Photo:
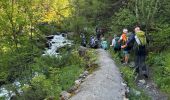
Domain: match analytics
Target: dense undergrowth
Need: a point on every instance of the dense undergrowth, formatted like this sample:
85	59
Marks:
160	70
52	75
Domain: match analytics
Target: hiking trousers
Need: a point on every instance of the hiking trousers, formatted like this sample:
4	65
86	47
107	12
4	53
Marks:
140	61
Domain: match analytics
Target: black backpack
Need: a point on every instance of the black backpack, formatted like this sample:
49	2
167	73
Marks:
131	44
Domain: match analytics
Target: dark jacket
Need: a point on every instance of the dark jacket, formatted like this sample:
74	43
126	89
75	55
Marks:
139	50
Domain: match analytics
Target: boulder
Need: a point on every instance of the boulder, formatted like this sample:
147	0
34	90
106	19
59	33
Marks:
64	95
141	82
81	76
72	89
77	83
86	73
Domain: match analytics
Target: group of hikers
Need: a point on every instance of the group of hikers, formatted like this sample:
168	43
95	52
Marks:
96	41
129	42
124	44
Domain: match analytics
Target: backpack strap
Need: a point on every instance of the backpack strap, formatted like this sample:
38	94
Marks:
137	40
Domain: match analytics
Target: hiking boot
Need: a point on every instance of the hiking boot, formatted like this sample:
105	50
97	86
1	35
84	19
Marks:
145	74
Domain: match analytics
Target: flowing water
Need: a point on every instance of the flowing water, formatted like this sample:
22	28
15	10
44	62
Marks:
54	43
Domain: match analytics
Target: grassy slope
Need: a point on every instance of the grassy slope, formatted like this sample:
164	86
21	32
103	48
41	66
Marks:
160	67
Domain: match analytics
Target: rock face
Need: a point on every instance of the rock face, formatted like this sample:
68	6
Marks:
103	84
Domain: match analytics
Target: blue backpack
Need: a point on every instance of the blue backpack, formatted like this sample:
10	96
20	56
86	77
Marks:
104	45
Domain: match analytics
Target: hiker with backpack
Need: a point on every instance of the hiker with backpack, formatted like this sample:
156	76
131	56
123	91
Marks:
93	42
123	39
104	44
115	44
140	51
83	40
98	33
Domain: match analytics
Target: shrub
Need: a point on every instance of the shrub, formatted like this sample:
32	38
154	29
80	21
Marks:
124	18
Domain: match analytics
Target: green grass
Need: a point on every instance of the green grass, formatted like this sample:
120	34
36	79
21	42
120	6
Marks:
68	75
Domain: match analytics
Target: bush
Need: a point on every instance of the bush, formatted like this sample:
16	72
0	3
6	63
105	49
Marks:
161	40
124	18
160	65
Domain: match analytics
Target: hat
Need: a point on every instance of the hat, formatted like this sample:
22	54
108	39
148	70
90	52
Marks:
125	30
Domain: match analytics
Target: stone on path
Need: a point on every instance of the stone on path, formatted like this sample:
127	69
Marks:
65	95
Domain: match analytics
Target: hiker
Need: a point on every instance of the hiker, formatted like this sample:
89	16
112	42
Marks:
98	32
140	51
93	42
83	40
115	44
102	30
123	39
130	45
104	43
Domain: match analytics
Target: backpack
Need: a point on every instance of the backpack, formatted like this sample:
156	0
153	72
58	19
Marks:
142	38
104	44
83	42
124	38
93	42
117	45
130	38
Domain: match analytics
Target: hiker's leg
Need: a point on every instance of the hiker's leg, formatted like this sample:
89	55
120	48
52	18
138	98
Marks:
122	56
119	53
115	50
141	65
137	62
126	56
143	62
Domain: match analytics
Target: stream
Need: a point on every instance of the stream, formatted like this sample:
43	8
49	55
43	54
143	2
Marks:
54	43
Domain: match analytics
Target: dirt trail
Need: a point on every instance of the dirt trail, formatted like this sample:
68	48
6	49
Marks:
103	84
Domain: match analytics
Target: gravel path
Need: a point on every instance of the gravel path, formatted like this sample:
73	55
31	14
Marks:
103	84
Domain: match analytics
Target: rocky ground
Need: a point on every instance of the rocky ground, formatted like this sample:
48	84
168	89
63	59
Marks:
151	89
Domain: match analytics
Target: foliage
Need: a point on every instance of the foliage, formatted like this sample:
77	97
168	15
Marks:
68	75
160	69
124	18
161	39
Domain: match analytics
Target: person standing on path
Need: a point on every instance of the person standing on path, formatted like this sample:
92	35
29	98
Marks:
115	44
140	51
123	39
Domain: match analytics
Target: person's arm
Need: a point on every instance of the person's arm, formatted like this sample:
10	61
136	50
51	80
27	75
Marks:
132	38
113	41
120	39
